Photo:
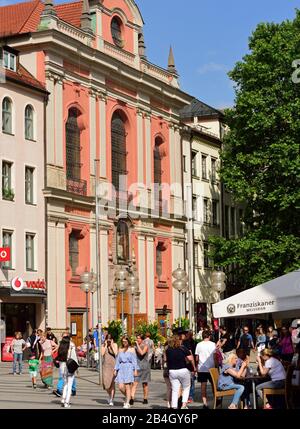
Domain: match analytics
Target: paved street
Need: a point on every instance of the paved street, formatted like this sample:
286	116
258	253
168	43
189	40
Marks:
16	392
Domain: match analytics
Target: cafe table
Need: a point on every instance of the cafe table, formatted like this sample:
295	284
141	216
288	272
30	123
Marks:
255	380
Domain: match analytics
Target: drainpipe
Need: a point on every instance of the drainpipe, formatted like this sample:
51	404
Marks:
45	212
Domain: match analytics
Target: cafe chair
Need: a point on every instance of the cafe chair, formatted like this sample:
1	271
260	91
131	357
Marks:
286	391
218	394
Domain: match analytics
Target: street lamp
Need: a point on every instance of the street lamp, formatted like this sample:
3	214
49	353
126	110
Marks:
180	284
134	290
120	286
88	285
218	278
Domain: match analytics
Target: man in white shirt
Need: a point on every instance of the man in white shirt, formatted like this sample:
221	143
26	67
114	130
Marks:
205	359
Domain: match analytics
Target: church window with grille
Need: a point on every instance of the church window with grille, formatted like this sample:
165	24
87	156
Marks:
118	155
73	147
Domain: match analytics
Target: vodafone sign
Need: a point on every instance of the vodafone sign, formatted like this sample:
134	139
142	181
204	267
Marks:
4	254
17	284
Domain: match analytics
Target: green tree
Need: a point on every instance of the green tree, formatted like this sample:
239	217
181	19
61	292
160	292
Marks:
260	158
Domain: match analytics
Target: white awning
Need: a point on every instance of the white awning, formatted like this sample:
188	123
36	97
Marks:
280	296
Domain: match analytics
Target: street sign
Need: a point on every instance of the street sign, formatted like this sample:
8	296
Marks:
4	254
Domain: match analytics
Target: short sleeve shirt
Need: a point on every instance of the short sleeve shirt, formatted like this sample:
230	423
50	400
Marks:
227	346
276	369
176	358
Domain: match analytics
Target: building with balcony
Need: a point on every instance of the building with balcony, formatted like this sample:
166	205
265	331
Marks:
106	102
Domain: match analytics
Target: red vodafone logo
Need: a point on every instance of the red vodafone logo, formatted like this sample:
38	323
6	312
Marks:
17	283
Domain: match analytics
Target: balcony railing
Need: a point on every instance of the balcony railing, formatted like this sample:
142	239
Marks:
77	186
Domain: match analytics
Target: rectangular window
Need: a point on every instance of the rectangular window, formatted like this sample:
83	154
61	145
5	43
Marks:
196	254
159	259
184	163
7	237
232	221
213	170
29	176
227	221
194	164
215	213
194	201
73	252
7	192
204	167
9	61
205	211
205	253
30	265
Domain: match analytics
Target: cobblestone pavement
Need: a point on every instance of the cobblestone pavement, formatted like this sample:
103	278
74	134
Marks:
16	392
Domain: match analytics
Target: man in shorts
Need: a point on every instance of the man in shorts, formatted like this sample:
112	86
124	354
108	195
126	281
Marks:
205	359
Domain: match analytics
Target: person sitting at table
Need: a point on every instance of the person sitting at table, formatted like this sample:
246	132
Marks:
242	357
272	367
226	379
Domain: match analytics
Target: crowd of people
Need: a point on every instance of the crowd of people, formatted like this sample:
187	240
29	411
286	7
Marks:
182	359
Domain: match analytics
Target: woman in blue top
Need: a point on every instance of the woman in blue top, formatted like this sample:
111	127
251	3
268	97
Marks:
260	340
126	369
227	376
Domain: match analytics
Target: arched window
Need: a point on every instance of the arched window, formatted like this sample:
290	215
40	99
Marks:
116	32
73	148
122	242
118	152
7	115
157	160
29	122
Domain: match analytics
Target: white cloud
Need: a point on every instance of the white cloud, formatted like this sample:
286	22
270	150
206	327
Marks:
212	67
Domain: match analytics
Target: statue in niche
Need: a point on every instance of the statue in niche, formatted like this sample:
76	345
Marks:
122	242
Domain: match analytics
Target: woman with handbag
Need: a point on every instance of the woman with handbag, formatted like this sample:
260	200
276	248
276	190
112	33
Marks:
109	352
178	358
68	365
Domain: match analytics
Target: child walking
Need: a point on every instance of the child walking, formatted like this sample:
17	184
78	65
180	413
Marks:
33	369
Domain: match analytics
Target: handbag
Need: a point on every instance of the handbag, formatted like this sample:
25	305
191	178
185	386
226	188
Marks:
72	365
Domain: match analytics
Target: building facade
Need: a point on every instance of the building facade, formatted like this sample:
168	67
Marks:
108	103
22	208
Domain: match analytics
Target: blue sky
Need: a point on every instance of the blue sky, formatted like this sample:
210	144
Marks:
207	36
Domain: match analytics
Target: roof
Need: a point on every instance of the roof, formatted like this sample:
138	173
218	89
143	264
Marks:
25	17
24	77
198	109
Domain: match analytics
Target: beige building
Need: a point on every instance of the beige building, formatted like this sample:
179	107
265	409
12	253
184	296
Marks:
22	209
209	208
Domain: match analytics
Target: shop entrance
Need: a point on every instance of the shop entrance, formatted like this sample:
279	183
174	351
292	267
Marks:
18	317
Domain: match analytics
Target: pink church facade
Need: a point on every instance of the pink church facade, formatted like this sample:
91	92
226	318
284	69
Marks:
106	103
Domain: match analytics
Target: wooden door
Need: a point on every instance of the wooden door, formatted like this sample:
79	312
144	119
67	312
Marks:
76	328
